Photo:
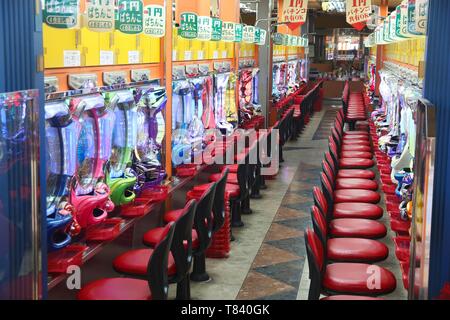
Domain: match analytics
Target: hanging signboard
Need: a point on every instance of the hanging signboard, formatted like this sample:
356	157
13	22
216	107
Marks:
216	29
263	37
155	21
292	41
204	28
386	30
238	32
100	15
412	17
278	39
294	12
421	16
393	26
358	13
188	25
61	14
130	16
249	35
228	31
404	19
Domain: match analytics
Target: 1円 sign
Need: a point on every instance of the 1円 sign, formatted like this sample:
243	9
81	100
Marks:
155	21
294	12
100	15
358	13
188	25
130	16
61	14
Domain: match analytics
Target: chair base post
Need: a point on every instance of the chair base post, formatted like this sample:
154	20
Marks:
236	221
184	289
199	273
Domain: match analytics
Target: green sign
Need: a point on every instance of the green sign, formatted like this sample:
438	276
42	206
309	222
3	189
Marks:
155	21
238	32
216	29
263	37
204	28
257	35
188	26
130	16
412	17
61	14
100	15
278	39
228	32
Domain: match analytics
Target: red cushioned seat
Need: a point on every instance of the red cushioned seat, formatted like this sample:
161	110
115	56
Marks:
202	188
356	250
351	196
357	211
350	298
353	278
357	118
173	215
354	147
355	174
116	289
356	133
357	115
232	191
358	142
357	228
135	262
233	168
232	178
356	137
356	154
364	184
347	163
154	236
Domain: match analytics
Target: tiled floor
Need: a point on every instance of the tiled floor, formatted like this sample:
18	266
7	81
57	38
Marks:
268	258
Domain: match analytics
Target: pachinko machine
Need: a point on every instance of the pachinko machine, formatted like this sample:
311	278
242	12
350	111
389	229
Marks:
249	106
194	116
104	153
396	128
279	83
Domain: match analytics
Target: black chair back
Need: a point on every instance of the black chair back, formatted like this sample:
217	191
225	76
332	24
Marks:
182	241
158	264
203	222
316	262
219	202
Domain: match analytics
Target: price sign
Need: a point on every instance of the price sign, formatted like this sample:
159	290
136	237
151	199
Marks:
228	31
263	37
100	15
188	26
130	16
216	29
61	14
249	34
155	21
238	32
204	28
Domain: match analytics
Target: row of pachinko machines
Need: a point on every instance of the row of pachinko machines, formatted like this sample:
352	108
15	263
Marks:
105	146
104	150
205	105
395	122
288	76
